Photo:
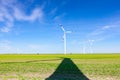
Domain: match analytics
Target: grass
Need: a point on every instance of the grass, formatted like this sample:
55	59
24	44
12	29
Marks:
39	67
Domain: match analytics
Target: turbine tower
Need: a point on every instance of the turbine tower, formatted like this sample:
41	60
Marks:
64	37
84	49
91	44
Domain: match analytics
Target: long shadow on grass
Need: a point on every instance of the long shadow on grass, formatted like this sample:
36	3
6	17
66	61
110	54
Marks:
67	70
31	61
43	60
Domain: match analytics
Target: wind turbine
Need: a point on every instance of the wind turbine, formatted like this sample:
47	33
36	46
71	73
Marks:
84	49
64	37
91	44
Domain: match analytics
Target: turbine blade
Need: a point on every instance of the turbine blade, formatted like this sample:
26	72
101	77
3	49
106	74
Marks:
63	28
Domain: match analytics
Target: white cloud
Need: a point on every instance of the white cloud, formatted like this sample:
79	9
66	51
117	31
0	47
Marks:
1	17
101	30
106	27
7	28
10	11
36	14
8	2
5	18
105	32
58	18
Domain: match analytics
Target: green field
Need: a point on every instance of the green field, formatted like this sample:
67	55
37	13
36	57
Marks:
42	66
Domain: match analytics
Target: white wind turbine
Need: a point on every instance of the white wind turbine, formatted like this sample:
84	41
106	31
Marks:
91	45
84	49
64	37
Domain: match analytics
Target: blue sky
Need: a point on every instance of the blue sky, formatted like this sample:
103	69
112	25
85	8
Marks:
31	26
